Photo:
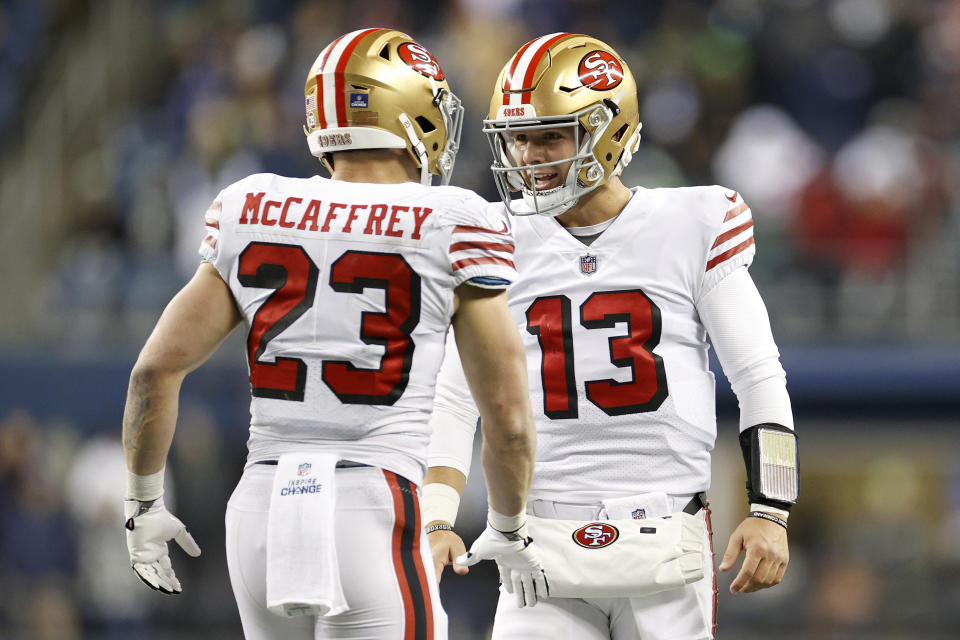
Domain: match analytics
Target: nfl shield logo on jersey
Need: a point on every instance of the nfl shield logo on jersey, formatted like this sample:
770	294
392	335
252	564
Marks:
588	265
639	514
303	469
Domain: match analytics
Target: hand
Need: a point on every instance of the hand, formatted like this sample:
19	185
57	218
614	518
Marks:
149	526
767	555
517	559
446	547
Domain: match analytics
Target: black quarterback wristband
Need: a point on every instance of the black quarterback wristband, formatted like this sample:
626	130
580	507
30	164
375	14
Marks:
438	527
768	516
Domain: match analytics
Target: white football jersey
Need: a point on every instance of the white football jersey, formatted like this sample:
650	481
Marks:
346	290
617	356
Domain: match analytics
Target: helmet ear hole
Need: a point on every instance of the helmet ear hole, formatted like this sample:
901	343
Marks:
425	125
385	52
618	136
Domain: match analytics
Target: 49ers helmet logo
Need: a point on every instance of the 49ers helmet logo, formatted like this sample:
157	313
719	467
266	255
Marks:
421	60
596	535
600	70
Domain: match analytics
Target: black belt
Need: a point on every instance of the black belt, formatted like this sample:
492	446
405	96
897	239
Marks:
697	502
343	464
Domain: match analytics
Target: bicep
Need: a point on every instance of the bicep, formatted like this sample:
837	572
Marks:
192	326
490	348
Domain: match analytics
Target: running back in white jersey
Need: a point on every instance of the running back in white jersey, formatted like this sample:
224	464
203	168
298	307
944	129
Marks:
617	355
346	290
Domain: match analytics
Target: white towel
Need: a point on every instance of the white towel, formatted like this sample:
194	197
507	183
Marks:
303	577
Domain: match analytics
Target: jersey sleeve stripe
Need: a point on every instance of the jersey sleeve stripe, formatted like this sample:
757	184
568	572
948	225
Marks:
727	235
729	253
211	222
483	246
467	262
462	228
211	241
735	211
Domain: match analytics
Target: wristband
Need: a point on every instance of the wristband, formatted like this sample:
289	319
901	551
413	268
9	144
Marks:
143	488
768	516
506	524
439	502
756	506
438	527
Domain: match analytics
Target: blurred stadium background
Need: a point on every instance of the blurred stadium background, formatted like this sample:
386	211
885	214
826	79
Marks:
839	121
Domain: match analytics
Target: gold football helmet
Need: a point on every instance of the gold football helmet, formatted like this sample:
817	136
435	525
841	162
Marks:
557	81
378	89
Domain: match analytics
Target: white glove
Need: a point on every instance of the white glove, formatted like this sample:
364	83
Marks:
149	525
517	559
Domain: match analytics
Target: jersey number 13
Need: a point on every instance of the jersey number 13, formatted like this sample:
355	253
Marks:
549	318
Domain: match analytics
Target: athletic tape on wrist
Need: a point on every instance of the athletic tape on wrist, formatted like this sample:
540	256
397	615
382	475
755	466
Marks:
757	506
439	502
143	488
506	524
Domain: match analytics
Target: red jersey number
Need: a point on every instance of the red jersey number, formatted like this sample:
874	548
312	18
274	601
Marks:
353	272
549	318
290	271
292	274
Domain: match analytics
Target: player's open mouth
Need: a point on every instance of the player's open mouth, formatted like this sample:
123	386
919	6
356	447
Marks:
546	180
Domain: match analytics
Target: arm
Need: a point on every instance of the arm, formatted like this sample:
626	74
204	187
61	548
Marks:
453	425
191	328
739	328
495	367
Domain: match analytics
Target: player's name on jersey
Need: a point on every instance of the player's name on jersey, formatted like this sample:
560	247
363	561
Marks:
393	220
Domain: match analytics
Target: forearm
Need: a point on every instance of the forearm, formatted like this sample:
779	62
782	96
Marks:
508	468
149	419
495	367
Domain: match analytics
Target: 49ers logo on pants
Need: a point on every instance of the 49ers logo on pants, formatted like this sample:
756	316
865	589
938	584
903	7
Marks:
600	70
596	535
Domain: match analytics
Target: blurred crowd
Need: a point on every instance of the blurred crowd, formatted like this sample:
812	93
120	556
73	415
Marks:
836	120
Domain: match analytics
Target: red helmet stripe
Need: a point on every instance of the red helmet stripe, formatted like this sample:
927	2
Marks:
323	61
535	61
341	66
508	80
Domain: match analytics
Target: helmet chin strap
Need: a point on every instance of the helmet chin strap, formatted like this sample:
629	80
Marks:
418	147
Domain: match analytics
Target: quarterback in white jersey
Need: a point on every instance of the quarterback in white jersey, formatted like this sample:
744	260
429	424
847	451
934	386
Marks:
347	288
618	291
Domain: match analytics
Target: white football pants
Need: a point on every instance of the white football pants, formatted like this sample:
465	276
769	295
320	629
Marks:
685	613
386	568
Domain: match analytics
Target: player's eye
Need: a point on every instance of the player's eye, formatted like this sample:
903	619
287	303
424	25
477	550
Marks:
519	138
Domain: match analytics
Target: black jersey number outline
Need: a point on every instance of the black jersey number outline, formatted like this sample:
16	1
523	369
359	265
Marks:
289	271
549	318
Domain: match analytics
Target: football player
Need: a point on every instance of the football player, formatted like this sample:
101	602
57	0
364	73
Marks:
618	292
346	288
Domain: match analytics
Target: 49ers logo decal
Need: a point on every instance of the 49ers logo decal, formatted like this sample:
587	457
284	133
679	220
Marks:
600	71
596	535
421	60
